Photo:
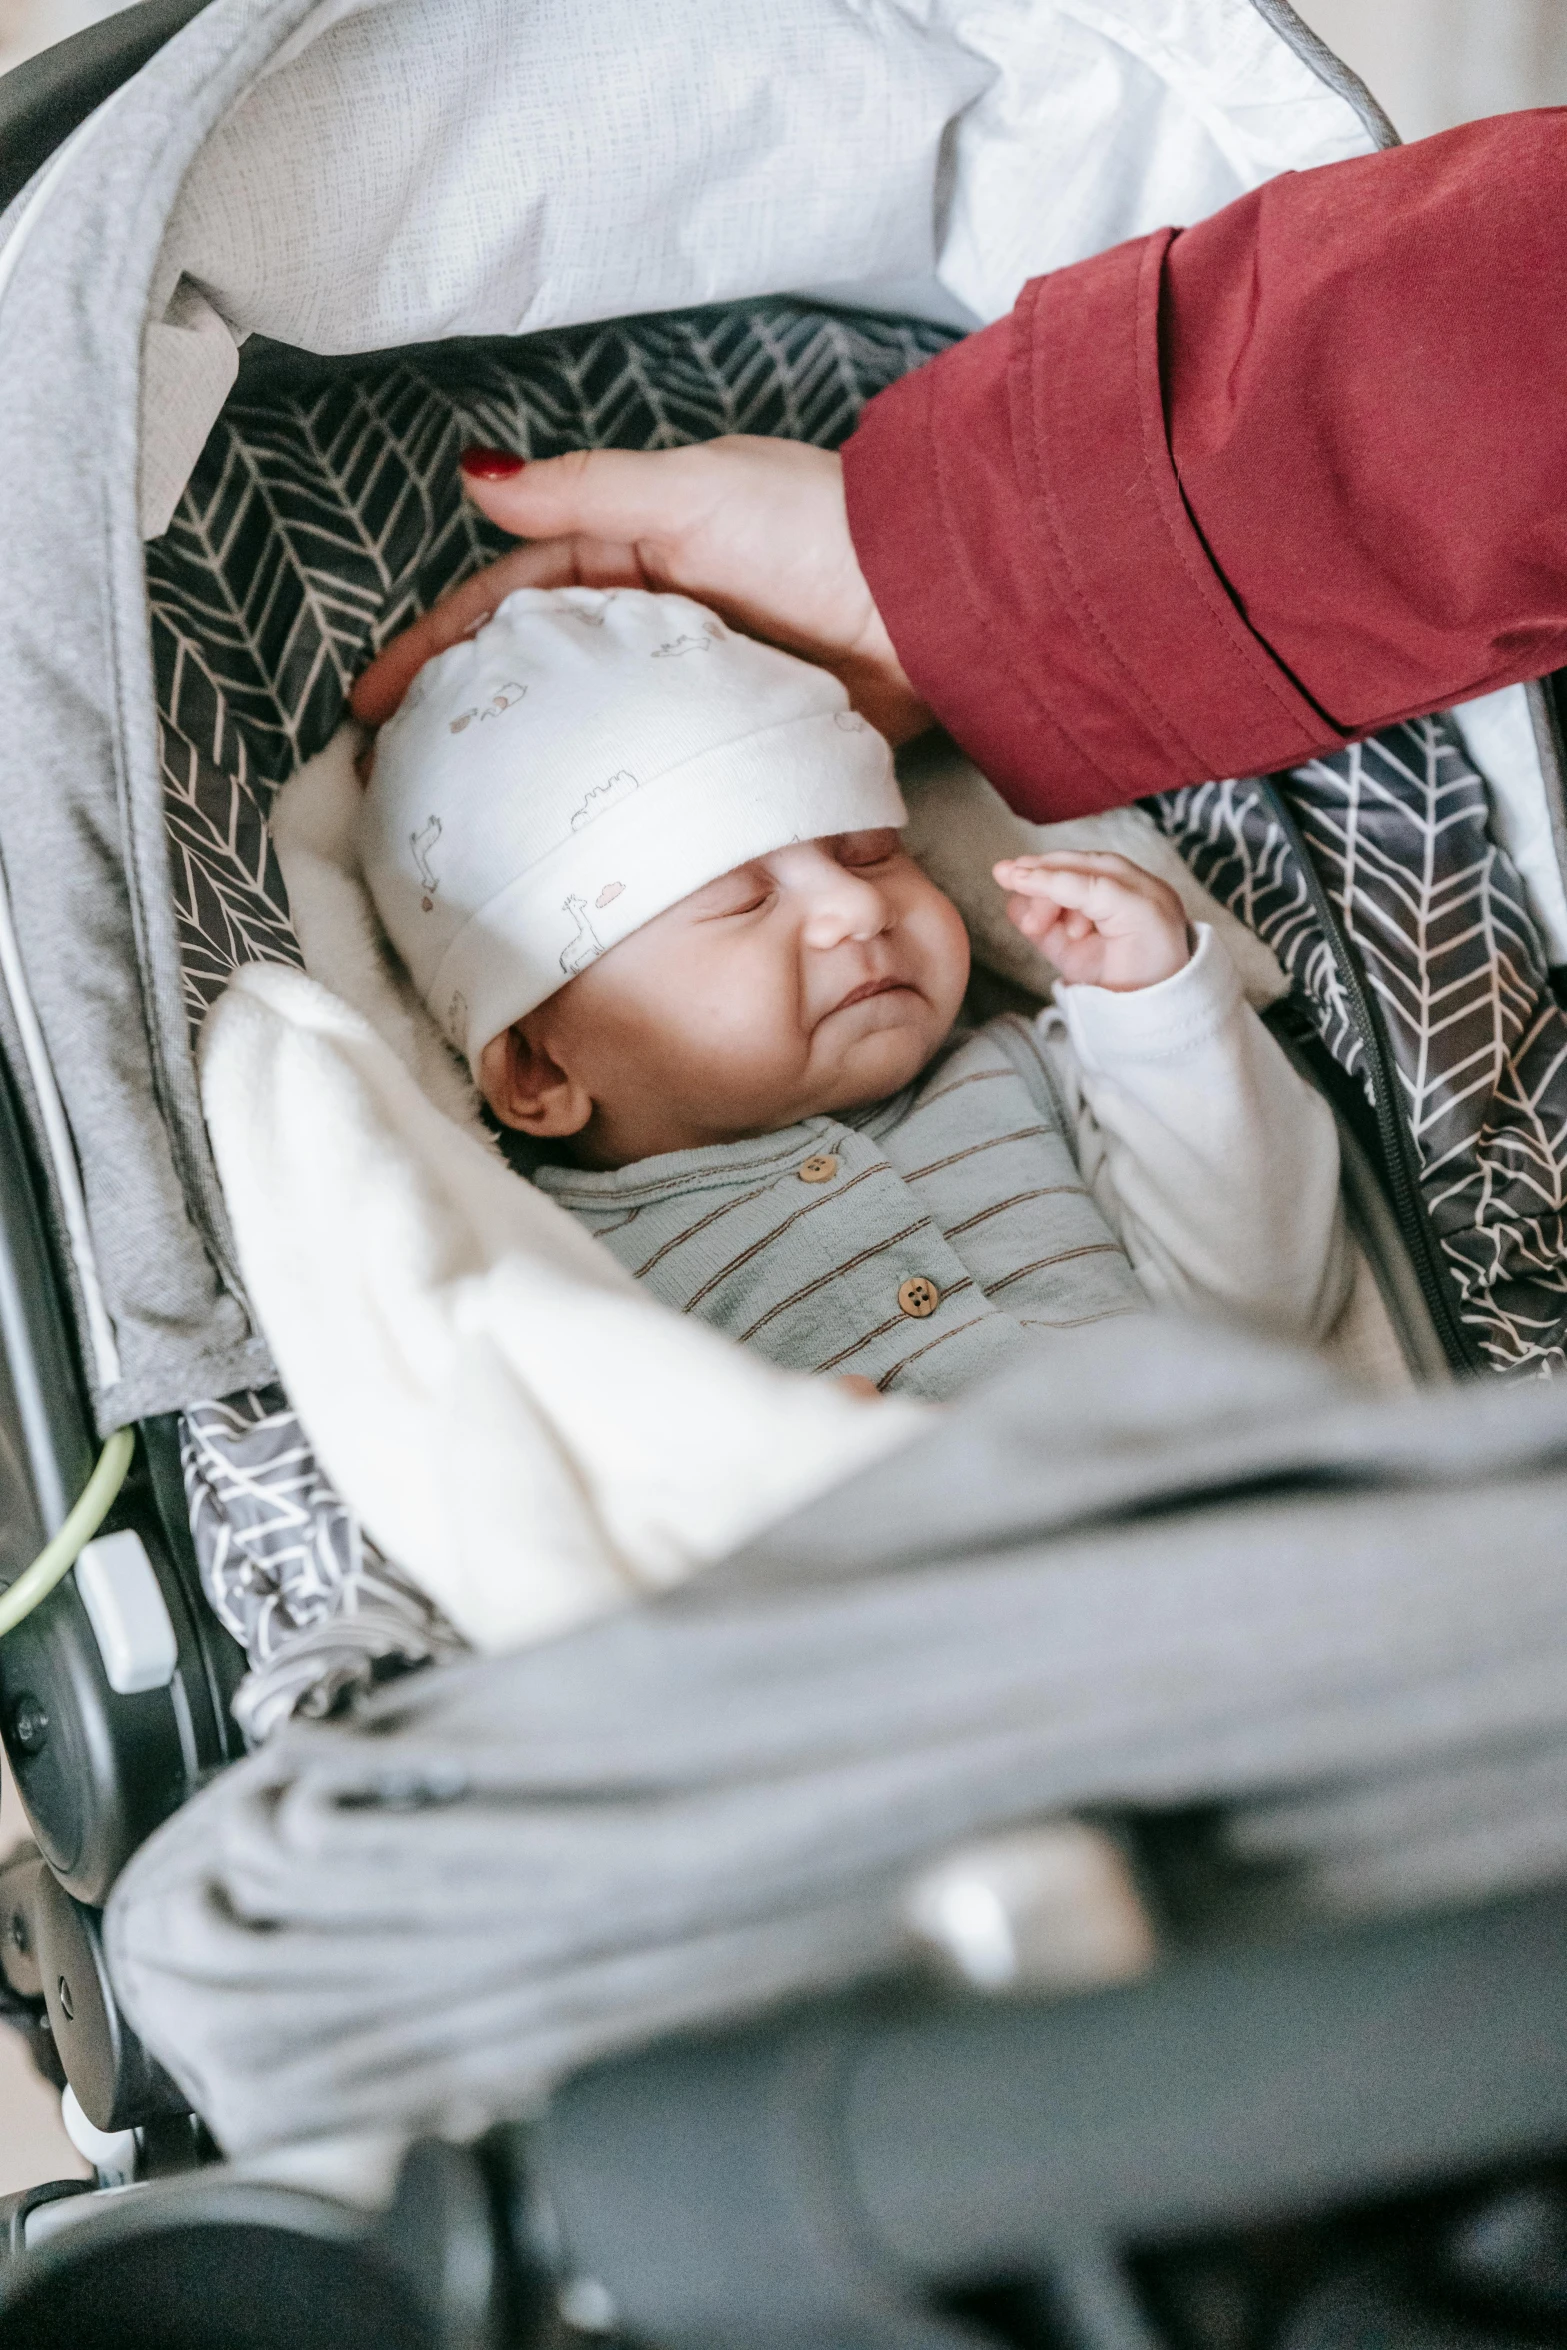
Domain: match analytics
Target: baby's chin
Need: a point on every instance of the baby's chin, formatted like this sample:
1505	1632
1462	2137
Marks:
879	1061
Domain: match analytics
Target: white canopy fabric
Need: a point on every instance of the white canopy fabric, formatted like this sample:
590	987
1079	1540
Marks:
412	169
407	170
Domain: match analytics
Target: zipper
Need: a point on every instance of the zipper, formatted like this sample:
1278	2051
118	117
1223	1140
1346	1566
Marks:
1400	1163
1545	712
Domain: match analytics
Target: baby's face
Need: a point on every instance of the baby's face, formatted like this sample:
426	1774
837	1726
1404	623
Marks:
817	979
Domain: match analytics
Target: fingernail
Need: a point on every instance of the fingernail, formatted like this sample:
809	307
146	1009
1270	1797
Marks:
490	464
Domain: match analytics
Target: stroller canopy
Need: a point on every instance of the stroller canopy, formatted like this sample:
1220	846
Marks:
356	178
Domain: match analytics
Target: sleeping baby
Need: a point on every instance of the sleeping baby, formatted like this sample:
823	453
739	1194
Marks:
647	875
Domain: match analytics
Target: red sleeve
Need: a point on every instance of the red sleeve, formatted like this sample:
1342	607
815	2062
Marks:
1218	500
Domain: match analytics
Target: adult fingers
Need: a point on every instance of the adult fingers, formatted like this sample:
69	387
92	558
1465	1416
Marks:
556	563
756	528
586	512
618	494
379	690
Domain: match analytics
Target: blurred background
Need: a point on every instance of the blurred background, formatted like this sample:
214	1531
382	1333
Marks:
26	25
1432	63
1436	62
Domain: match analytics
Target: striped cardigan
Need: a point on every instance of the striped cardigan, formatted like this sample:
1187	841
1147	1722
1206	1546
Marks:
920	1242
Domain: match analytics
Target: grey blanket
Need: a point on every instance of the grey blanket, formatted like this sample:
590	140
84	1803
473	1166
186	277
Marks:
1155	1566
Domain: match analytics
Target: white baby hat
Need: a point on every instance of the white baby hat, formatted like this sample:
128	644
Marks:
583	762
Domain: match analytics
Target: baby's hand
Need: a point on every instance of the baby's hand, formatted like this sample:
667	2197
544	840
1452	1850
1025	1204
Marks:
1101	920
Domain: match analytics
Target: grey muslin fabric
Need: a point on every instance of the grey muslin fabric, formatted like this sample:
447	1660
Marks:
287	1568
1165	1566
803	1243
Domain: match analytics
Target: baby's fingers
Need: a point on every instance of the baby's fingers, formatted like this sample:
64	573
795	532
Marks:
1058	885
1037	918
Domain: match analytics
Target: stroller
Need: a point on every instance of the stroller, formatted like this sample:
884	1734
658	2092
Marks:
273	263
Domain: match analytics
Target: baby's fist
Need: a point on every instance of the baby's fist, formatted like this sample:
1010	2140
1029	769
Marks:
1099	918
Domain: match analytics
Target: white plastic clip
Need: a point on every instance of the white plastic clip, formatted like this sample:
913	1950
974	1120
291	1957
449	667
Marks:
127	1612
112	2153
1047	1908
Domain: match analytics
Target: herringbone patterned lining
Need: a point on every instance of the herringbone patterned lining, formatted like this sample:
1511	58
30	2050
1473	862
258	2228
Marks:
1399	831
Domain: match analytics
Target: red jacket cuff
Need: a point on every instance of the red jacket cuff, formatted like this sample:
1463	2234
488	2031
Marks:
1018	518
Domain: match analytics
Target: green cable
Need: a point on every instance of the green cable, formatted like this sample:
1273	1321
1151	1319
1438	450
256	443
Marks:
61	1552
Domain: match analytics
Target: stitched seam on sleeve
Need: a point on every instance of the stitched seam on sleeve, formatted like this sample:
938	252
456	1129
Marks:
1160	723
1018	679
1194	560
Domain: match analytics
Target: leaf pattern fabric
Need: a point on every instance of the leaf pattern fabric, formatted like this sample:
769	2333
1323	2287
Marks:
1398	831
287	1568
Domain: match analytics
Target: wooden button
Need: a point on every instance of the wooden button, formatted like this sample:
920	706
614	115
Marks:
820	1167
918	1297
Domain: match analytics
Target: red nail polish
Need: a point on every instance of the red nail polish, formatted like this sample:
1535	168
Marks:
490	464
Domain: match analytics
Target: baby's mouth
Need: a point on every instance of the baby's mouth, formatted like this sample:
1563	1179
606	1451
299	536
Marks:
870	987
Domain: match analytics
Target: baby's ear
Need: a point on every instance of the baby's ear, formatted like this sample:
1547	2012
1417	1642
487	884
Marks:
528	1089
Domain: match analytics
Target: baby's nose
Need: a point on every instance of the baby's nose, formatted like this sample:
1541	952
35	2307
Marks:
849	909
835	928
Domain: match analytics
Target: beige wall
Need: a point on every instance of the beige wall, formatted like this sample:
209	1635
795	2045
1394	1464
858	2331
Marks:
26	25
1436	62
33	2145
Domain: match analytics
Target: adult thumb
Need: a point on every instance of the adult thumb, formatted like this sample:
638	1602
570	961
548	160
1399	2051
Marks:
620	494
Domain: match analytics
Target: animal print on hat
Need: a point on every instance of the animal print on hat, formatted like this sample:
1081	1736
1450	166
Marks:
583	762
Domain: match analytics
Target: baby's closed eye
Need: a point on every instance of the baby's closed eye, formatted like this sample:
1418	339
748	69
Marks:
745	891
859	849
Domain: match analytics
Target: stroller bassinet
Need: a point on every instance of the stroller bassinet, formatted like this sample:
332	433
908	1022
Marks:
272	329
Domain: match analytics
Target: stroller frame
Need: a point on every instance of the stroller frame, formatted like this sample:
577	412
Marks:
754	2183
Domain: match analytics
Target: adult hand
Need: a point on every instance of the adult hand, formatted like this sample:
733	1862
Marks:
755	528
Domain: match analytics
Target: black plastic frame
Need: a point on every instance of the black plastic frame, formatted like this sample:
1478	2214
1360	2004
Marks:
96	1770
43	100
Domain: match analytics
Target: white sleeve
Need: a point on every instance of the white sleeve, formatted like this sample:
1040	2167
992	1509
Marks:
1210	1156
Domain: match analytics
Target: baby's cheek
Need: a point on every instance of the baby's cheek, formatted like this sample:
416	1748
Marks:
949	956
746	1037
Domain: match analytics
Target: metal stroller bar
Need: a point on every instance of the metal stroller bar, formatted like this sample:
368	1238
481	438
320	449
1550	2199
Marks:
945	2147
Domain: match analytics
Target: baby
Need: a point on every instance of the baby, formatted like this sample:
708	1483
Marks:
647	874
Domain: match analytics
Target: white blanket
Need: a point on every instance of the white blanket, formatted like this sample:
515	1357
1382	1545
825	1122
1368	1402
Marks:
529	1435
